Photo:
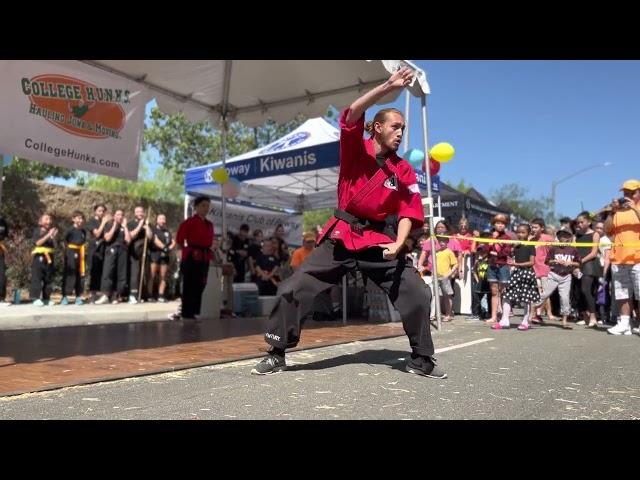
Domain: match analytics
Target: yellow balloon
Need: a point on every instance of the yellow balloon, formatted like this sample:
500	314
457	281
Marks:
442	152
221	176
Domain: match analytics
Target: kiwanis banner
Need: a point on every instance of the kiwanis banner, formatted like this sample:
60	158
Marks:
72	115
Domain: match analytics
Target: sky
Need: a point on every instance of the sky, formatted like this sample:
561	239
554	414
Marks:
533	122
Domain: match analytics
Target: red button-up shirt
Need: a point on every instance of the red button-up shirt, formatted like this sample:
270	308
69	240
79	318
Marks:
357	166
195	236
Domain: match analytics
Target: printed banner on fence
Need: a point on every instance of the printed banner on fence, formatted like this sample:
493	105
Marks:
257	218
72	115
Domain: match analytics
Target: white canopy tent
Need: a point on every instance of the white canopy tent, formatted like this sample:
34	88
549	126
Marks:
252	91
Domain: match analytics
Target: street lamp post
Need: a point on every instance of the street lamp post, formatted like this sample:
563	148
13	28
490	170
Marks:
555	183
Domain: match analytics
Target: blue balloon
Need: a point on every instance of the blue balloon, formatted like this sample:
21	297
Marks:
415	157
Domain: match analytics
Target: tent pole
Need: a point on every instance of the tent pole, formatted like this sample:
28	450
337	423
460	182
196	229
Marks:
434	279
406	121
224	165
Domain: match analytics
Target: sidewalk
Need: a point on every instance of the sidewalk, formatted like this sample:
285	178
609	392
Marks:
27	316
39	359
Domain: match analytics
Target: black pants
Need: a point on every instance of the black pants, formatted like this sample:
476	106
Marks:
114	268
241	270
135	262
325	267
476	302
41	277
588	292
3	278
194	279
71	279
95	260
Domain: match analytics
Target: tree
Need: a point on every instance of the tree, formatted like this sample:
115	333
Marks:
162	185
183	144
23	168
316	217
514	197
461	186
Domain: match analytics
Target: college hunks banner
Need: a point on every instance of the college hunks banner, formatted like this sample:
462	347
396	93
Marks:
257	218
72	115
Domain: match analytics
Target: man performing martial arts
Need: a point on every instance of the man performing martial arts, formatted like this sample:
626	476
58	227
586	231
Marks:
379	203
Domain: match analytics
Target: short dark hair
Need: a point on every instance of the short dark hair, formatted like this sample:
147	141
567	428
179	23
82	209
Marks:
257	232
98	206
538	221
200	199
245	227
77	213
565	220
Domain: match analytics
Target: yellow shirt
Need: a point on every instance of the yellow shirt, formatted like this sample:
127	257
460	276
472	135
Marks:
626	229
445	261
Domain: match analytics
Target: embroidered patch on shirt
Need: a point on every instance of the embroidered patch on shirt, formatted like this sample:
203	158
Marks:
391	182
414	188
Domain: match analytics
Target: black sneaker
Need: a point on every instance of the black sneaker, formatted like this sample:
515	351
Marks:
425	366
270	364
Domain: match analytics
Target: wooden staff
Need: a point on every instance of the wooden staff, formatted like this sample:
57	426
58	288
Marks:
143	261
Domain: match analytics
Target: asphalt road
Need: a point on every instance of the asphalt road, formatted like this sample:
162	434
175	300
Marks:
544	373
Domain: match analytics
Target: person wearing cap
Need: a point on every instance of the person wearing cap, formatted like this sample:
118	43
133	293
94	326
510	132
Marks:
563	260
622	225
308	244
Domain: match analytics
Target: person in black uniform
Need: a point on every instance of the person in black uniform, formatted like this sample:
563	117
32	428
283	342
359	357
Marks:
254	252
116	239
160	253
42	268
140	232
4	233
74	259
239	252
95	255
267	268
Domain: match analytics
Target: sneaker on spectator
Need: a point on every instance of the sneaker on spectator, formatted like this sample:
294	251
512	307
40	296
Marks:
132	300
162	300
4	304
102	300
636	330
174	316
473	317
115	302
581	322
79	301
64	301
38	303
620	329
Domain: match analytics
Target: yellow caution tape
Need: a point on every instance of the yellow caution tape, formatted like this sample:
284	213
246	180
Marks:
537	243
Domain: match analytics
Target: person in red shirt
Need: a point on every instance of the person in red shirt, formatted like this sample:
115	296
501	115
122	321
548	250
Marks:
195	239
379	203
